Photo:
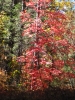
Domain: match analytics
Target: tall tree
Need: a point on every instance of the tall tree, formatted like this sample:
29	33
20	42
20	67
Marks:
44	60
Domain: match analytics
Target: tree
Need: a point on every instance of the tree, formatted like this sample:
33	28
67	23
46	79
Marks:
46	59
4	20
10	35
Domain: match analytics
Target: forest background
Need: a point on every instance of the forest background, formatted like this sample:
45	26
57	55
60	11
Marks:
33	61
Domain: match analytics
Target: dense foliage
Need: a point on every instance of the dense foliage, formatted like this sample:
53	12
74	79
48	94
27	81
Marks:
37	43
49	55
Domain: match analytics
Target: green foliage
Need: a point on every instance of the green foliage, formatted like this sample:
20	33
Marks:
4	20
10	36
4	32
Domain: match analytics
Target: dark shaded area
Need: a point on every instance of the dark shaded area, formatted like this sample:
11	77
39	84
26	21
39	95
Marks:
17	1
48	94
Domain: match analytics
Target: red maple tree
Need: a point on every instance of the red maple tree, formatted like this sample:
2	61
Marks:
50	49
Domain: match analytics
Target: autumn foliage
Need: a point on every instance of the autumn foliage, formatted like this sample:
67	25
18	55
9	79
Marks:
50	48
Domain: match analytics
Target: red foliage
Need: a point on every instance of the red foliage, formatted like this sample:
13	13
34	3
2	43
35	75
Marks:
59	63
42	60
